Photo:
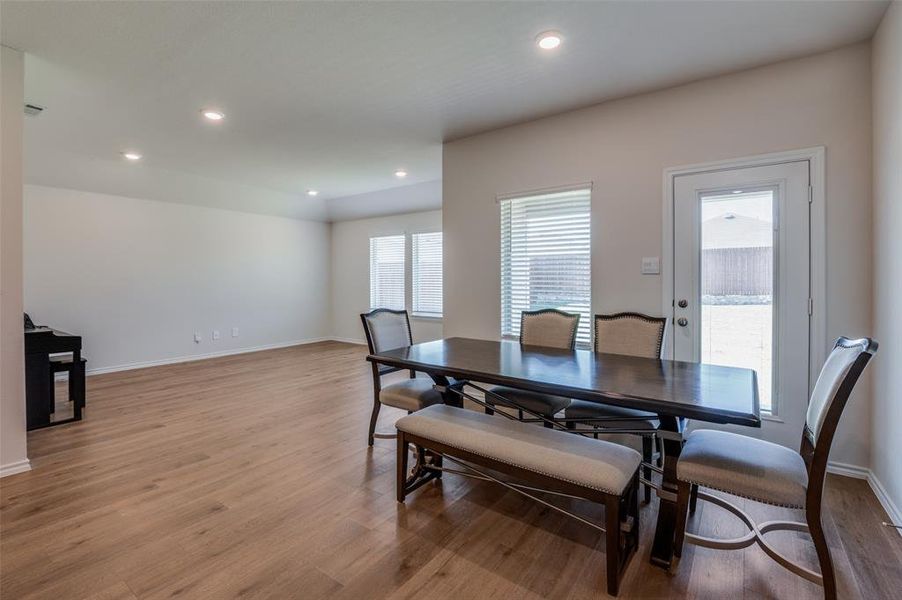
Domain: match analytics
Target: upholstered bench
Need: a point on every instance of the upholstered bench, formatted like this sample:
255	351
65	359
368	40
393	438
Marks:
548	460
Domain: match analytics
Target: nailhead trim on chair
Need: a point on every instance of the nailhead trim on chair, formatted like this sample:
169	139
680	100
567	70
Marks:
761	500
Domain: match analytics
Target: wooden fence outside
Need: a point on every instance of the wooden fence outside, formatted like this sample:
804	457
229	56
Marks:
737	271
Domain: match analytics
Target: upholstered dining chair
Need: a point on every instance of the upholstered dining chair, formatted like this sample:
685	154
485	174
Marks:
630	334
772	474
388	329
550	328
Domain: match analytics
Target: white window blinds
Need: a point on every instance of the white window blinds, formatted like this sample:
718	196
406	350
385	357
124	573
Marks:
426	256
387	272
545	258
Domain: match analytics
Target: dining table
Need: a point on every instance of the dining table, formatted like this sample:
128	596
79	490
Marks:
676	391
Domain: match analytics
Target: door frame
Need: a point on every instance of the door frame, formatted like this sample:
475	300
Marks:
817	239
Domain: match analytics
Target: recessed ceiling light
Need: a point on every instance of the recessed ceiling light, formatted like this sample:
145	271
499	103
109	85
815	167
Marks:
737	191
213	115
312	192
132	155
548	40
401	173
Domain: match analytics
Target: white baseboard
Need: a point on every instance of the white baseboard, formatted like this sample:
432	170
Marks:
847	470
349	341
895	515
16	467
193	357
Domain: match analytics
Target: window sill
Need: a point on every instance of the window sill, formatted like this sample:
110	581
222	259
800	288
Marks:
767	416
425	317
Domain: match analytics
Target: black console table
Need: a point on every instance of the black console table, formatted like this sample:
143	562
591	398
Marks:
40	368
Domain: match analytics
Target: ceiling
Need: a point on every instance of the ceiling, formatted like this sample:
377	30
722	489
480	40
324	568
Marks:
338	95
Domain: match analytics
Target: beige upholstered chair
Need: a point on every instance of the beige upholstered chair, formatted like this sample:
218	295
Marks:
772	474
630	334
387	329
550	328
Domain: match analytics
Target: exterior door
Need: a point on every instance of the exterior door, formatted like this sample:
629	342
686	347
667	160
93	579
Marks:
741	286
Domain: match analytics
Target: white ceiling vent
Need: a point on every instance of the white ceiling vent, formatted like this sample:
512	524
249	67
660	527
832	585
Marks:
33	110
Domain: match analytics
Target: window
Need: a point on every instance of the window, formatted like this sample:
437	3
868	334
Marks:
426	259
545	258
390	275
387	288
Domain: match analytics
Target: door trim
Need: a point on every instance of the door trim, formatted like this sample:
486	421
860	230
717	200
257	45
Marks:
818	239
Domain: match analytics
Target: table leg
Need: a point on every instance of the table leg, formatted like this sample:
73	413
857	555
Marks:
38	390
77	385
662	547
451	398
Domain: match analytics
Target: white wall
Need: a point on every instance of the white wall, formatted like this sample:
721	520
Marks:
136	277
13	455
624	146
887	409
351	271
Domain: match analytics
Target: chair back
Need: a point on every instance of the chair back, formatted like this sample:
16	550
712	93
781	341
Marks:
548	327
629	333
386	329
833	387
831	392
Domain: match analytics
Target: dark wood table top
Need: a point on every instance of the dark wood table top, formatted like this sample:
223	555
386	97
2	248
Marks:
681	389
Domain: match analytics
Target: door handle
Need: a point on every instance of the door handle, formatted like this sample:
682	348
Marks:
682	321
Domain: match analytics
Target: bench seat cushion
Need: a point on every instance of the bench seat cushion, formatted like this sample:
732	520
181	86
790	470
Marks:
744	466
594	464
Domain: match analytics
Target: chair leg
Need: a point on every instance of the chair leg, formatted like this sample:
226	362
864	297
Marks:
647	458
402	467
612	543
373	418
679	534
693	499
519	414
548	424
489	411
823	553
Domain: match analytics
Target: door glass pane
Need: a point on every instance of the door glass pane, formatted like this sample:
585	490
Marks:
737	283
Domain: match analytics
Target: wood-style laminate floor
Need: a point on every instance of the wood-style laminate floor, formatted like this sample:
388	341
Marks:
250	477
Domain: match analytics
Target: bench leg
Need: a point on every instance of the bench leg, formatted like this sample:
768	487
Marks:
612	543
436	460
402	466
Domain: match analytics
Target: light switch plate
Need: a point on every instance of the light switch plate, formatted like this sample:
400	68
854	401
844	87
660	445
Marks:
651	265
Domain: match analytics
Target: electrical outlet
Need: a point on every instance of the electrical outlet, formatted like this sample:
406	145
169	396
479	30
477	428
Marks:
215	334
234	332
197	337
